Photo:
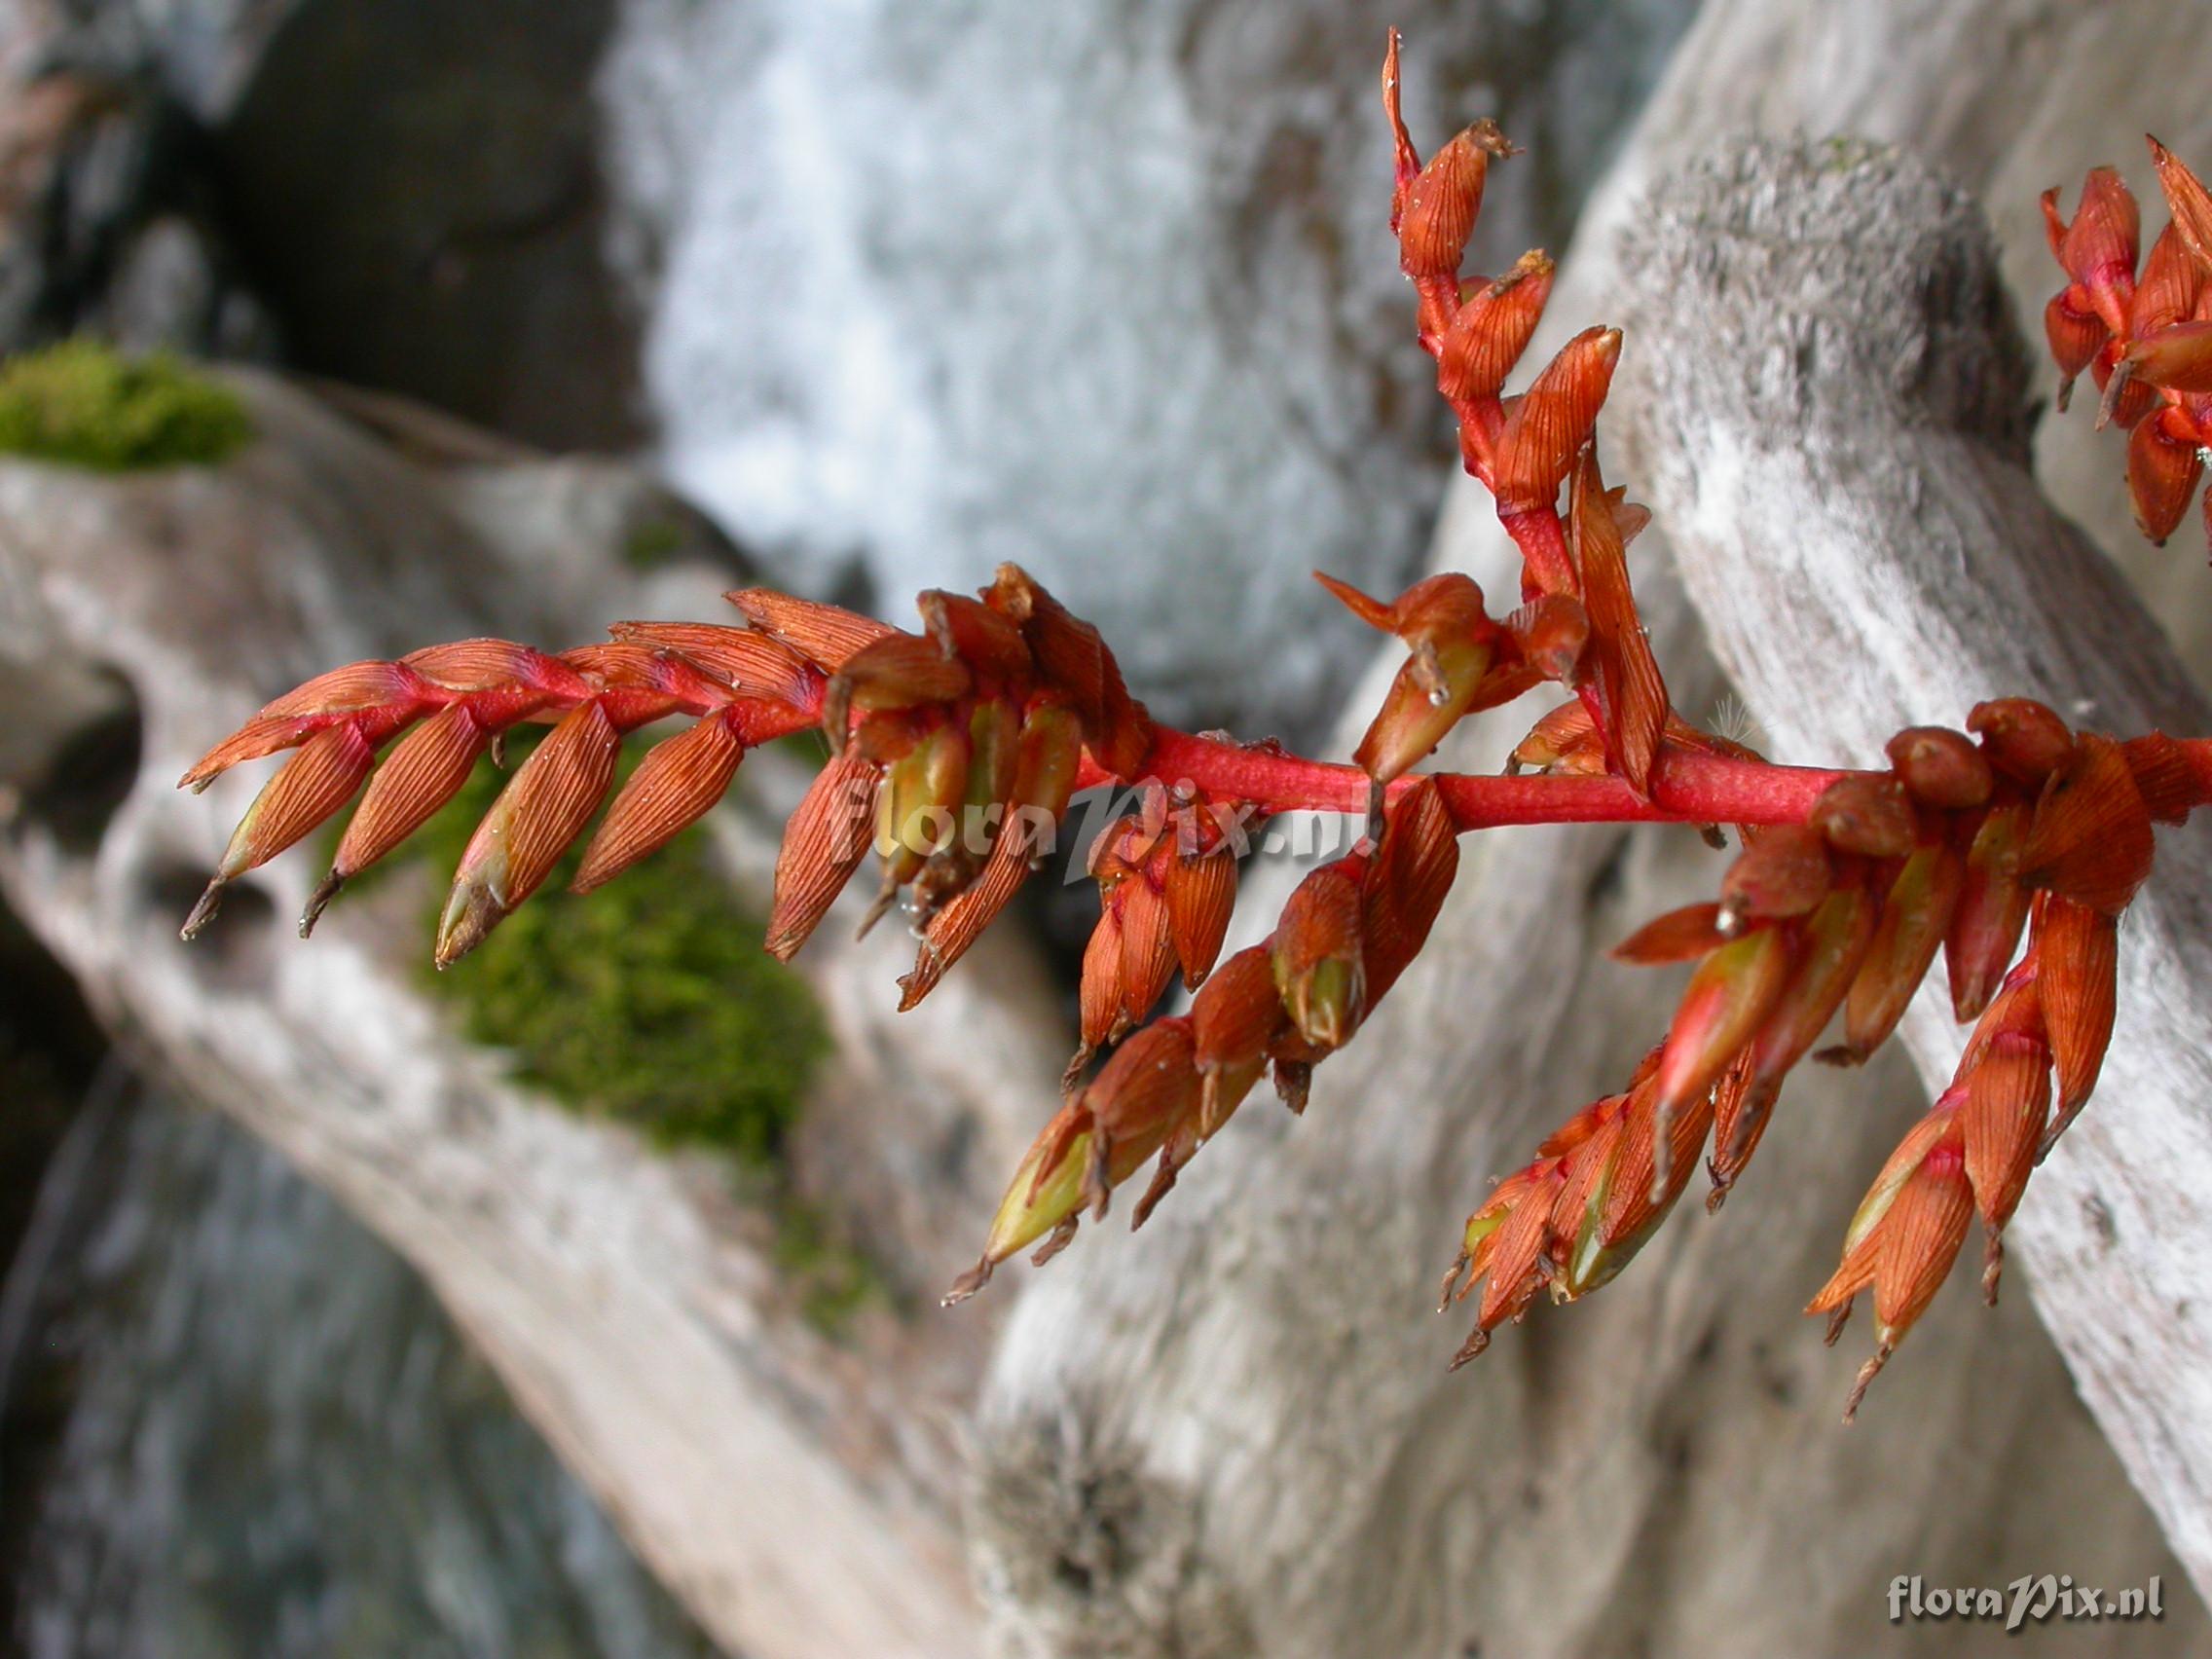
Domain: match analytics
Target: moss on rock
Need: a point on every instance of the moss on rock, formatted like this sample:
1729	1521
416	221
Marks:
649	1001
84	403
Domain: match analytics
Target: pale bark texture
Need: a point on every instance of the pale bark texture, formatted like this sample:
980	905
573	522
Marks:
1232	1434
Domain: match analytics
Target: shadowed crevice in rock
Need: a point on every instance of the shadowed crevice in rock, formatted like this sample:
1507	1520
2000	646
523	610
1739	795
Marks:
413	187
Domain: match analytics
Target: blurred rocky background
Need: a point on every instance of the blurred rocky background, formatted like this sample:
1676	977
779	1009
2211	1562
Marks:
521	315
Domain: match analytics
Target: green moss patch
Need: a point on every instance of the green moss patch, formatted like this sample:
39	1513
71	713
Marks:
85	404
649	1000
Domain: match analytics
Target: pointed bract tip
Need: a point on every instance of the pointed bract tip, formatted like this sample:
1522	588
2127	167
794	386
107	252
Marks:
1859	1385
319	900
968	1283
202	910
470	914
1477	1340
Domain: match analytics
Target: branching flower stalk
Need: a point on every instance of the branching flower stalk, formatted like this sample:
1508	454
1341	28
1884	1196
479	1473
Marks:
956	751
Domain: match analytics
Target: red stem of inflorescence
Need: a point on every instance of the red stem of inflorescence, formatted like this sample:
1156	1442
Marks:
1687	787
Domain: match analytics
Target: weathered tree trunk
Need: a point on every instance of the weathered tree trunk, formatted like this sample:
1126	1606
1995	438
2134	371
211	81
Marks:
1230	1434
1839	454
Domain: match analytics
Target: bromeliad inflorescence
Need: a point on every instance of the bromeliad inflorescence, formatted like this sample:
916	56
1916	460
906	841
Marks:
955	750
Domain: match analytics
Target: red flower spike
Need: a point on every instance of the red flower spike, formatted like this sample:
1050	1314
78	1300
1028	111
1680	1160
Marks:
1941	768
307	789
545	806
1722	1008
827	636
2188	203
1629	682
2024	739
673	788
1011	702
1916	915
824	844
1443	200
1868	816
1490	330
2090	838
2164	464
1784	870
1993	908
1679	936
1552	421
1318	966
2076	982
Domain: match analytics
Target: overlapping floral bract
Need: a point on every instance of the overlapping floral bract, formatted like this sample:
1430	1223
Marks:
955	750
